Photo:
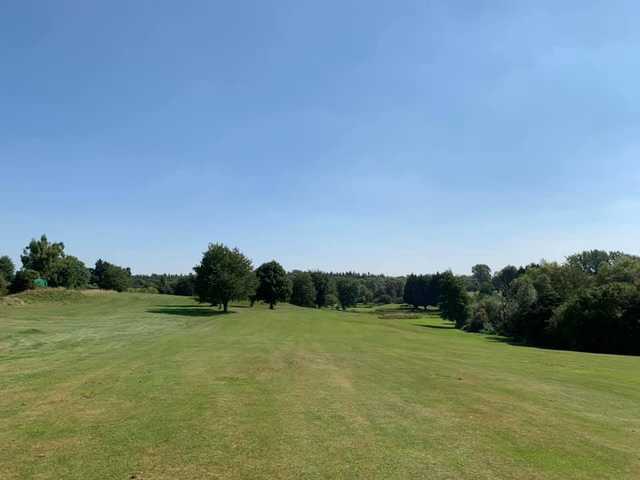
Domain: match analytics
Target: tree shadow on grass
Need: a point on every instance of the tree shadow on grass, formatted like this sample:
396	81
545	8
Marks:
435	327
182	305
183	311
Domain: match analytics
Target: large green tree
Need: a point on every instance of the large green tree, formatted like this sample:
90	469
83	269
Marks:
454	300
591	261
273	283
111	277
224	275
348	291
325	288
42	256
69	272
303	292
481	274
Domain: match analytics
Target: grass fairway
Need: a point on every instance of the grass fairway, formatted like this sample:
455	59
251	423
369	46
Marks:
132	386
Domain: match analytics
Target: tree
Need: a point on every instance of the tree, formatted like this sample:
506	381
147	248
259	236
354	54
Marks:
7	269
116	278
481	274
601	319
273	284
4	286
348	290
303	291
454	300
365	295
422	290
502	279
41	256
324	287
110	277
185	286
69	272
223	275
591	261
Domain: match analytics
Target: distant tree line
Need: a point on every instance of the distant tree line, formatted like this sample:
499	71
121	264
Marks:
167	284
225	275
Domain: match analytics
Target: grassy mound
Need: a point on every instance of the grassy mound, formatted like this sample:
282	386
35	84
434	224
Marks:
44	295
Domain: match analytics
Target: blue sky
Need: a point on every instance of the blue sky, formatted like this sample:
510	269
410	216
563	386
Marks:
374	136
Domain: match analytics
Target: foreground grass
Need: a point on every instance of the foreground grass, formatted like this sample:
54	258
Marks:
124	386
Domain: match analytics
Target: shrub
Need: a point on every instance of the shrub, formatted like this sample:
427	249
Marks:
24	280
384	299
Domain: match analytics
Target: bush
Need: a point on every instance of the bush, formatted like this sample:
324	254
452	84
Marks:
384	299
153	290
24	280
185	286
4	286
478	319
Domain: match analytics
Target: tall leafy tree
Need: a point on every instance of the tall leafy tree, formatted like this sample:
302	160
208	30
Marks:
454	300
591	261
324	286
303	291
224	274
348	291
69	272
273	283
7	269
481	274
111	277
502	280
42	255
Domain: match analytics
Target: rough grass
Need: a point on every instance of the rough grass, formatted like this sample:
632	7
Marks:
122	386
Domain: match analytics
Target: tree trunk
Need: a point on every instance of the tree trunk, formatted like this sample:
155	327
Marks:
271	306
226	307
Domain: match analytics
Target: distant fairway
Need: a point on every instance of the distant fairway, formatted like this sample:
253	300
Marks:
124	386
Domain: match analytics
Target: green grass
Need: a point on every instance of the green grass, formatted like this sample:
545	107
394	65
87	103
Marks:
124	386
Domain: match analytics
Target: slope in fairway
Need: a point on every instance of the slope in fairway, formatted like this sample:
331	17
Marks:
121	386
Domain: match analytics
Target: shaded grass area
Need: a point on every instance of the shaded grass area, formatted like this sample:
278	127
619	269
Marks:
156	387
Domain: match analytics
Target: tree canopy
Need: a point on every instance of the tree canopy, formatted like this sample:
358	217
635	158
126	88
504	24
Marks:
348	291
224	275
42	255
273	283
303	292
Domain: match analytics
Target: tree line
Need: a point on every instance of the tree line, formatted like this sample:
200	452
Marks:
589	302
46	263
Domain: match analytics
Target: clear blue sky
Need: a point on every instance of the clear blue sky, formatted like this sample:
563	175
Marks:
390	136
